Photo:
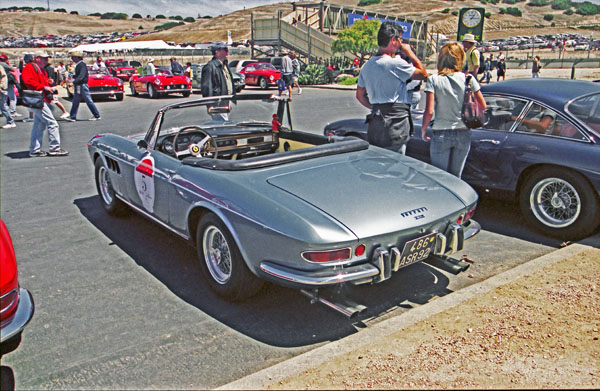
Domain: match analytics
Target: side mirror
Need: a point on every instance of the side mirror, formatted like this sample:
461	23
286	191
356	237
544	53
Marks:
142	144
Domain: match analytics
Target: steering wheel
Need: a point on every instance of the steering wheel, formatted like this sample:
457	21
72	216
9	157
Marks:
202	148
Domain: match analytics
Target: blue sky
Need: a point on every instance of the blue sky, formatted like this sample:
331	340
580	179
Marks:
146	7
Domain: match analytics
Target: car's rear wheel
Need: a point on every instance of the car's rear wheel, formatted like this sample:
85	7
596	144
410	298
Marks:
560	203
221	261
108	198
133	91
152	91
262	83
119	97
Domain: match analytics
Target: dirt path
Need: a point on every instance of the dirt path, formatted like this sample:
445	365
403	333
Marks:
540	331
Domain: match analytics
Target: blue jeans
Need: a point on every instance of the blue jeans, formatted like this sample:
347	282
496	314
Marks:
13	99
449	149
535	75
83	92
42	119
4	108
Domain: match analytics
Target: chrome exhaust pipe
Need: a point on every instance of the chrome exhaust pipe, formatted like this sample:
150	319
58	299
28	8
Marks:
447	264
345	307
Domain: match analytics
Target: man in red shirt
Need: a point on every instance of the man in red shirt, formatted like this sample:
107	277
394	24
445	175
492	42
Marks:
35	78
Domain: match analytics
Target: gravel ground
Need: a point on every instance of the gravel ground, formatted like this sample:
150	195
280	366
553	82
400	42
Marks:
539	331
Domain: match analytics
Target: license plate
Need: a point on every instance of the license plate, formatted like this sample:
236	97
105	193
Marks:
417	249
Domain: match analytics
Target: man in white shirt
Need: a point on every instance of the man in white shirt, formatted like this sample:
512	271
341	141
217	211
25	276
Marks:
99	64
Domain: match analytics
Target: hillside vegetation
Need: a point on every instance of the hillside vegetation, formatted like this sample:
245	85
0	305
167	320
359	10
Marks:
438	13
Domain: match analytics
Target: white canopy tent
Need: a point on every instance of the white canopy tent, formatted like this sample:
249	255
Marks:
121	46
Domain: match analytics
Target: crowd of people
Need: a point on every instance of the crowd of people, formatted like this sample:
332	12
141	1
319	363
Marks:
35	80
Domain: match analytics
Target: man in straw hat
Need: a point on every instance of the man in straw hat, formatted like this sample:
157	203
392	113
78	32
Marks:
471	53
81	90
150	68
35	78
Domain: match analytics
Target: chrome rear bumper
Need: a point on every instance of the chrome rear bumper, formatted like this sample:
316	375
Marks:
383	262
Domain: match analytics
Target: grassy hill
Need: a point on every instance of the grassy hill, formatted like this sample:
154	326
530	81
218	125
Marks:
238	22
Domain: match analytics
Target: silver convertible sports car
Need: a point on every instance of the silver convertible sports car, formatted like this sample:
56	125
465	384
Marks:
261	201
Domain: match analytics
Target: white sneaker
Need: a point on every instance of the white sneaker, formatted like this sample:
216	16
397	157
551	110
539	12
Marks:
8	126
65	115
16	115
28	120
299	91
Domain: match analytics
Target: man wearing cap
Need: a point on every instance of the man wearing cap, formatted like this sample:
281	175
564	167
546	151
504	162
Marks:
81	90
176	67
471	53
150	68
382	88
35	78
287	72
216	77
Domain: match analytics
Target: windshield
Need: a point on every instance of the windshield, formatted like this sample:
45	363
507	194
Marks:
244	112
100	71
119	64
587	110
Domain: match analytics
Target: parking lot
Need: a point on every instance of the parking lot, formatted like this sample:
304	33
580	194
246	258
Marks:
120	303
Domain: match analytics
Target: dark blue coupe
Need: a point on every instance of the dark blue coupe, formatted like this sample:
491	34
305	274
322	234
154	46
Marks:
541	145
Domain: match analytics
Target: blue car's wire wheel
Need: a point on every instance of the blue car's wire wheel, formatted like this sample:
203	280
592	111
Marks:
555	202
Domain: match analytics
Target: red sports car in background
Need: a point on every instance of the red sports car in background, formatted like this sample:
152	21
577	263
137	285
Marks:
162	83
124	70
261	74
16	302
101	84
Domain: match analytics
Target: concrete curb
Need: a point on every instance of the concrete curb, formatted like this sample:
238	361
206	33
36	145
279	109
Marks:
314	358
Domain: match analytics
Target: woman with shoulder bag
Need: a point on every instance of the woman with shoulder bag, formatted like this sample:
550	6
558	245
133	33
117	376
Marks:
444	93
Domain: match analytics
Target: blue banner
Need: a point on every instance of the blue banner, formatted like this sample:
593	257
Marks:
404	25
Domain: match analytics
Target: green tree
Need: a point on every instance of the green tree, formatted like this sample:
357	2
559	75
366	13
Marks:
160	16
136	16
538	3
363	3
548	17
176	17
360	39
445	10
60	10
586	8
189	19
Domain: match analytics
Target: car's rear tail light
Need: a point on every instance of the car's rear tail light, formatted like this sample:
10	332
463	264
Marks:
464	218
327	255
8	304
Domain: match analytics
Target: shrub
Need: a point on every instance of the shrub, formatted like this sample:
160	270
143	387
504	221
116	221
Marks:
60	10
114	15
548	17
314	74
189	19
488	15
160	16
560	4
168	25
455	12
136	16
569	12
445	10
538	3
176	17
40	9
514	11
74	13
140	27
586	8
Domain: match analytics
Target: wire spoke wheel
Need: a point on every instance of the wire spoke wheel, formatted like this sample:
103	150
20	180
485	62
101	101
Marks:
106	190
217	254
555	202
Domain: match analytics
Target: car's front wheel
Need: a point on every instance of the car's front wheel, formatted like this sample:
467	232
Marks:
108	198
221	261
186	94
119	97
262	83
560	203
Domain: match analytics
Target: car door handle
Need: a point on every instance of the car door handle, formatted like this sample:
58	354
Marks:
495	142
169	171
